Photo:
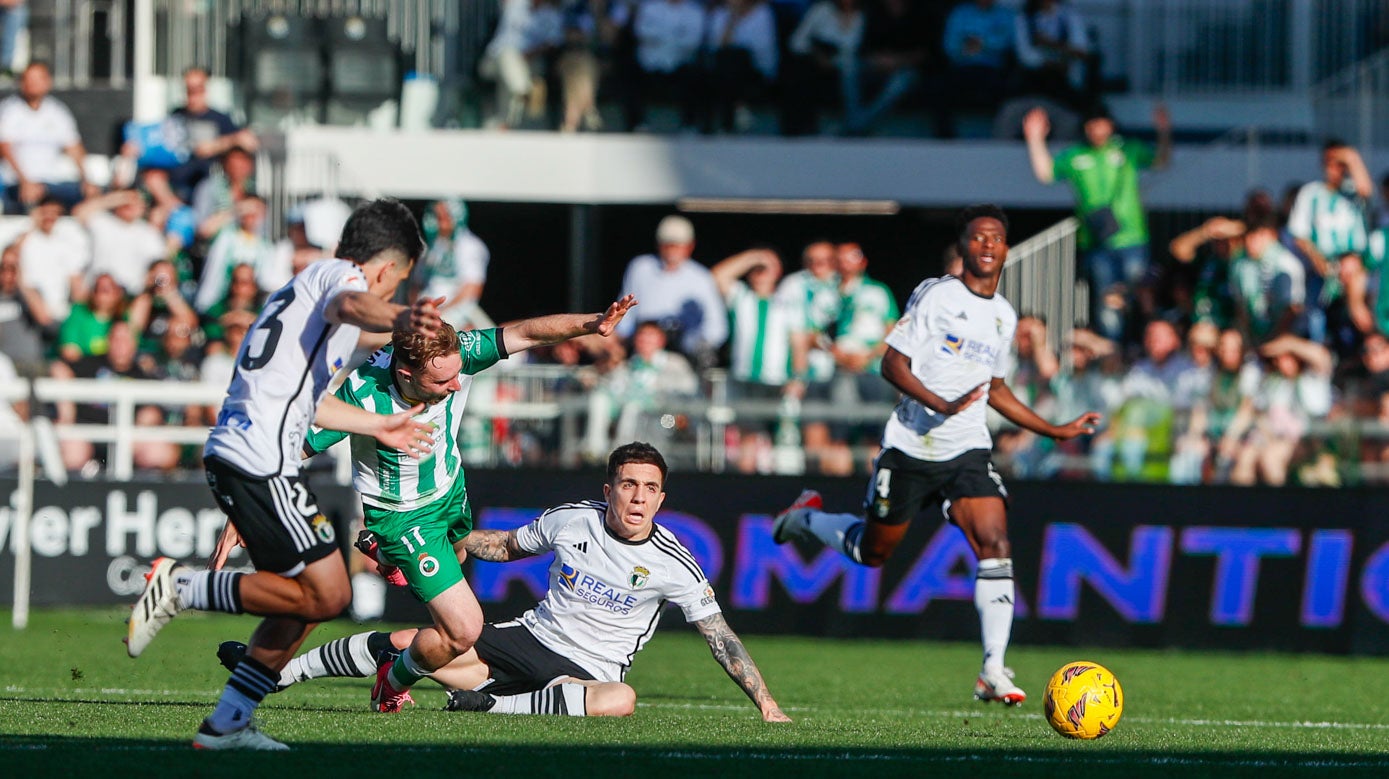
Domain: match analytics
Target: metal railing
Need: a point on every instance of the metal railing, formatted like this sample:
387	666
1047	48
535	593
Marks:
1354	104
1040	279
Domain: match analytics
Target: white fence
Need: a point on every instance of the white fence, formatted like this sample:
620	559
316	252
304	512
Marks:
1040	279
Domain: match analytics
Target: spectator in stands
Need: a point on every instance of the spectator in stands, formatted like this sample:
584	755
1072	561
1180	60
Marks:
678	293
116	362
811	295
1094	383
215	198
978	45
900	44
159	307
454	266
1294	391
36	130
124	243
1233	387
1053	50
760	338
293	253
743	55
85	331
669	34
1215	242
821	52
14	19
1103	174
1329	218
243	295
223	342
528	33
54	257
243	243
26	324
652	383
1266	283
1157	388
1351	316
587	29
868	310
1035	366
1190	449
210	134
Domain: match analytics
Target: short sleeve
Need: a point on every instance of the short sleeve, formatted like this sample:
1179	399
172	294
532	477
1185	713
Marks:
331	279
320	439
540	535
913	330
472	257
481	349
696	600
1003	361
1300	218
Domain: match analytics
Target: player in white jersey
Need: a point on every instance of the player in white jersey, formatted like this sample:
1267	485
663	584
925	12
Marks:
614	569
418	510
948	351
303	336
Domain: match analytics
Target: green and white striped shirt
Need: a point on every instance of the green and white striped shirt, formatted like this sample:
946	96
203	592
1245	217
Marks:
392	480
761	342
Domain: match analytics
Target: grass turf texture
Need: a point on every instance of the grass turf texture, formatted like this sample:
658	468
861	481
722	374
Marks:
72	703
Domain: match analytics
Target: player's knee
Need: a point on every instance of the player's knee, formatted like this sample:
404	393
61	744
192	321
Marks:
325	606
611	700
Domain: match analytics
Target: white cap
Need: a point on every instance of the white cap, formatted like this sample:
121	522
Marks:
674	229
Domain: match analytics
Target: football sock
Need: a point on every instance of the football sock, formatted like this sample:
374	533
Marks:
211	590
350	657
565	699
993	597
405	672
247	687
837	531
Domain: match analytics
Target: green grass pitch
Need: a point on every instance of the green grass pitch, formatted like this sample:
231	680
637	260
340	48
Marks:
72	703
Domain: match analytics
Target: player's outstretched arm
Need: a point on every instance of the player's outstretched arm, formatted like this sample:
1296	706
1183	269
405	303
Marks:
543	330
375	315
398	431
1002	399
494	546
728	649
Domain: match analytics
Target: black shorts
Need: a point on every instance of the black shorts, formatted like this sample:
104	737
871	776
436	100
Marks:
902	486
278	518
519	662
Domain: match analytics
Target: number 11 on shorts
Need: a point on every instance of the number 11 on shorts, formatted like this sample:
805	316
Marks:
419	539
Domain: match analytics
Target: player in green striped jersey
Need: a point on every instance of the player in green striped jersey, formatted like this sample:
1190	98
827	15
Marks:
418	509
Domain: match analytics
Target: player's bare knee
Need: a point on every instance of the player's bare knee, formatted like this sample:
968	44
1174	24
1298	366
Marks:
324	606
611	700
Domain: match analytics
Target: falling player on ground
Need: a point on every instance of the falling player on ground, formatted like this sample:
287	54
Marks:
949	351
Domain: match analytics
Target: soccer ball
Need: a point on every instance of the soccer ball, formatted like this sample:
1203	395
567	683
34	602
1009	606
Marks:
1083	700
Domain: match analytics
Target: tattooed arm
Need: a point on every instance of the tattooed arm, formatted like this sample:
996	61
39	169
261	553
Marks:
494	546
728	649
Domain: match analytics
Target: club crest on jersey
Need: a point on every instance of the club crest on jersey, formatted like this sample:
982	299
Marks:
323	529
998	325
638	577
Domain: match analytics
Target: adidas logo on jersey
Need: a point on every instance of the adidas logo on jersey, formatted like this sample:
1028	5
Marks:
582	546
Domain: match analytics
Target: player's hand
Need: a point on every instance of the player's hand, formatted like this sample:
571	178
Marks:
963	402
228	540
773	713
607	321
402	433
1081	425
424	316
1036	124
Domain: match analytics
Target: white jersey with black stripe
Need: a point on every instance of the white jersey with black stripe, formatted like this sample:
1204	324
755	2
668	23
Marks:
956	341
606	593
283	369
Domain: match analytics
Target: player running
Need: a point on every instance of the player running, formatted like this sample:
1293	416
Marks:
305	333
418	510
953	343
613	570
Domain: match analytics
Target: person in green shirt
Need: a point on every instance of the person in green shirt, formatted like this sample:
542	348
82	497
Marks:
84	332
1103	174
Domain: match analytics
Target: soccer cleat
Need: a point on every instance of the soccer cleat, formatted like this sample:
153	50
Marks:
469	700
998	686
158	604
248	737
367	545
384	697
792	521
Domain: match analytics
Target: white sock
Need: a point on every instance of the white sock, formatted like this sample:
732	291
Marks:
837	531
348	657
993	597
565	699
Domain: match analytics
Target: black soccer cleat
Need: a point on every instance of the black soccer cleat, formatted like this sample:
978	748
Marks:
229	653
469	700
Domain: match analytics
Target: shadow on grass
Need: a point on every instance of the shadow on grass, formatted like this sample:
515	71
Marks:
54	755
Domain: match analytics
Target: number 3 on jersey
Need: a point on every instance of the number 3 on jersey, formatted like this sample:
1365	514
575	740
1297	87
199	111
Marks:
272	327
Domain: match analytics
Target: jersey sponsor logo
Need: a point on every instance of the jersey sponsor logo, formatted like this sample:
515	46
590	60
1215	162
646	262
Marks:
595	591
708	596
953	344
231	418
323	529
970	349
638	577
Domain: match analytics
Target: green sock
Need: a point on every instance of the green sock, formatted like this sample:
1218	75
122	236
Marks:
405	672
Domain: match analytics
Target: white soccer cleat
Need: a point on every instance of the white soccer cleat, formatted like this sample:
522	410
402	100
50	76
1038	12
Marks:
248	737
158	604
792	522
998	686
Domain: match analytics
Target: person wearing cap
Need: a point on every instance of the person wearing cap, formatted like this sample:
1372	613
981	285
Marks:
677	293
1103	174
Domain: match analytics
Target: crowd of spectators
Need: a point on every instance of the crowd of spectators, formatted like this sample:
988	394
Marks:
802	60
